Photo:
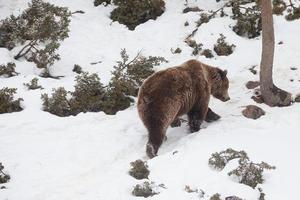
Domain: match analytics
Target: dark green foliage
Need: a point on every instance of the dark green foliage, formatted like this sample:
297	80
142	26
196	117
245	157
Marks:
278	7
8	70
297	98
33	84
91	96
58	104
219	160
126	79
134	12
248	20
222	48
88	95
7	102
197	47
207	53
4	178
250	173
99	2
39	29
247	172
293	13
77	69
216	196
143	190
139	169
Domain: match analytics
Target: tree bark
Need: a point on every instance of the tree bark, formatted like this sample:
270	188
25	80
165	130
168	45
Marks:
271	95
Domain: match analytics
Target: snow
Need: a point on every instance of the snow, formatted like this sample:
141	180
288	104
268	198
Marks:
88	156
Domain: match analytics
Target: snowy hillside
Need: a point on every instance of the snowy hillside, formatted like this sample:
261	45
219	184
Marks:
87	157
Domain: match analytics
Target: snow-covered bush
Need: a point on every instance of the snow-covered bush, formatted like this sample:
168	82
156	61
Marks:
219	160
132	12
8	70
139	169
39	29
207	53
88	95
248	20
278	7
33	84
77	69
144	190
99	2
222	48
7	102
58	104
91	96
4	178
127	77
250	173
293	13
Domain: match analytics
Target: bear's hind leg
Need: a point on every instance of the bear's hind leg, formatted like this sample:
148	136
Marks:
211	116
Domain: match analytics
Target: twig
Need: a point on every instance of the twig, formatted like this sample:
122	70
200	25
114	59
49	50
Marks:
30	45
78	11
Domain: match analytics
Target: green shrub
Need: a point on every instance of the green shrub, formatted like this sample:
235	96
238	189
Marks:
139	169
293	13
219	160
4	178
77	69
197	47
39	29
222	48
88	95
58	104
278	7
216	196
207	53
8	70
127	77
33	84
99	2
144	190
250	173
7	102
134	12
248	20
91	96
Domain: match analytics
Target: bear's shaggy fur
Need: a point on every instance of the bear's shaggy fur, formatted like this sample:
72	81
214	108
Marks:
176	91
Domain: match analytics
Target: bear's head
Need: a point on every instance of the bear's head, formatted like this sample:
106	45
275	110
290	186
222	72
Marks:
220	85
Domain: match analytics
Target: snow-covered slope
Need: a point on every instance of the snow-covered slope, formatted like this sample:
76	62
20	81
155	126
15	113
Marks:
87	157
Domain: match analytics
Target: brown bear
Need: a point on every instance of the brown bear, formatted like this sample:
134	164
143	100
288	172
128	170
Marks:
184	89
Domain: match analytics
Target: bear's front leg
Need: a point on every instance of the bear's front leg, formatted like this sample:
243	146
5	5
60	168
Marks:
211	116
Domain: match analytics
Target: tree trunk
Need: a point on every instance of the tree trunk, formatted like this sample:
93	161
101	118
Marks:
271	95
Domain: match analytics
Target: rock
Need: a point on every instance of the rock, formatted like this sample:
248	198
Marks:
253	112
293	68
186	23
252	84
